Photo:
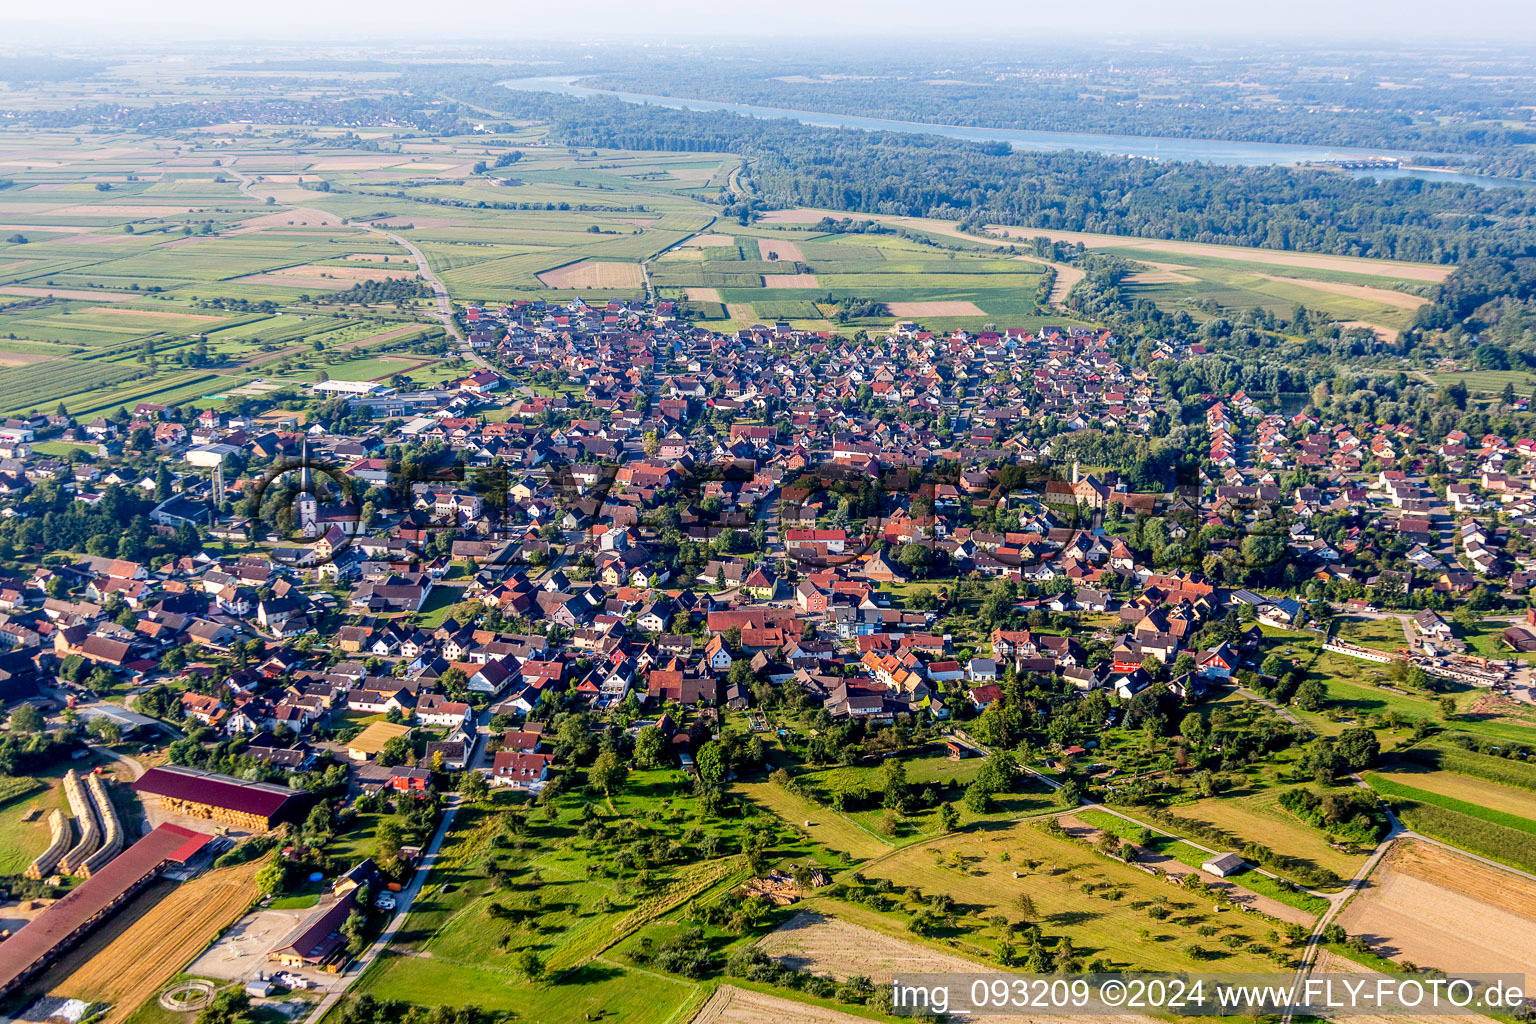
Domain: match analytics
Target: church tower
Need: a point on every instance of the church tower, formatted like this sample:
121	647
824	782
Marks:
309	505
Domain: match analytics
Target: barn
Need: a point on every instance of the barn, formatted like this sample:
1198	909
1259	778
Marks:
224	798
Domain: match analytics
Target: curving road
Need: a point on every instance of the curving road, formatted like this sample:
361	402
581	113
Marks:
444	305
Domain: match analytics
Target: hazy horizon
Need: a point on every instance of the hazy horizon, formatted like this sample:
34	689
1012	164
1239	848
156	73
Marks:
94	22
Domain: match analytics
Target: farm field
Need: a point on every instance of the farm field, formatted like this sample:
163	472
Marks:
21	840
1439	909
1378	634
127	960
827	827
1511	800
1353	290
1477	827
1258	818
1249	888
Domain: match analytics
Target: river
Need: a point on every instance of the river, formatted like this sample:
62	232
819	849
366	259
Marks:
1212	151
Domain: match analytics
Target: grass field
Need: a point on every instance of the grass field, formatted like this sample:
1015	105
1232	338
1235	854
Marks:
948	777
558	890
1192	856
22	840
1258	818
1100	904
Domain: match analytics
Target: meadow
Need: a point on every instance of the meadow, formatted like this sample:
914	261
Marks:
567	881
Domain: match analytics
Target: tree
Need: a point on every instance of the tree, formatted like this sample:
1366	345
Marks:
388	839
354	929
607	772
271	877
529	965
1310	695
1026	905
1358	747
651	745
318	824
1070	794
162	483
395	751
710	761
1192	727
948	817
26	719
474	786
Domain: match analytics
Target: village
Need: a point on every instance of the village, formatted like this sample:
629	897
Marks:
377	594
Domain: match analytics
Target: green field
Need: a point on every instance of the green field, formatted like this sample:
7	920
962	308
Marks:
553	886
1496	834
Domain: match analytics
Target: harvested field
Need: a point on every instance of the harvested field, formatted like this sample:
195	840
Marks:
1385	296
790	281
941	308
154	937
125	210
296	217
709	241
21	358
1466	788
293	281
349	163
741	311
780	248
825	945
1382	330
1329	962
88	295
1161	275
1318	261
800	215
703	294
732	1005
593	274
834	948
1439	909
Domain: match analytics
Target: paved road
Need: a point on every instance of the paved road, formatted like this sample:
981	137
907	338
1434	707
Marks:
444	310
451	805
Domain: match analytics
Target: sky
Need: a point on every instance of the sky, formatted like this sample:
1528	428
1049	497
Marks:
344	21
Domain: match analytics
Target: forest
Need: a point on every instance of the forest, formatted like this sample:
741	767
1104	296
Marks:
933	176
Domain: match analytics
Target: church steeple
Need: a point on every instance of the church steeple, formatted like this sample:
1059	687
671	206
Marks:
306	483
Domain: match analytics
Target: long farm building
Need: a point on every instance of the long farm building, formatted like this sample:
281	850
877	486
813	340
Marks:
59	927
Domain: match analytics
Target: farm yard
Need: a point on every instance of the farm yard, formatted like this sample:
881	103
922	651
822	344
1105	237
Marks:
141	947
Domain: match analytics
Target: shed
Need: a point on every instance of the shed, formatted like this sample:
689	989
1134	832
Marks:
1223	864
